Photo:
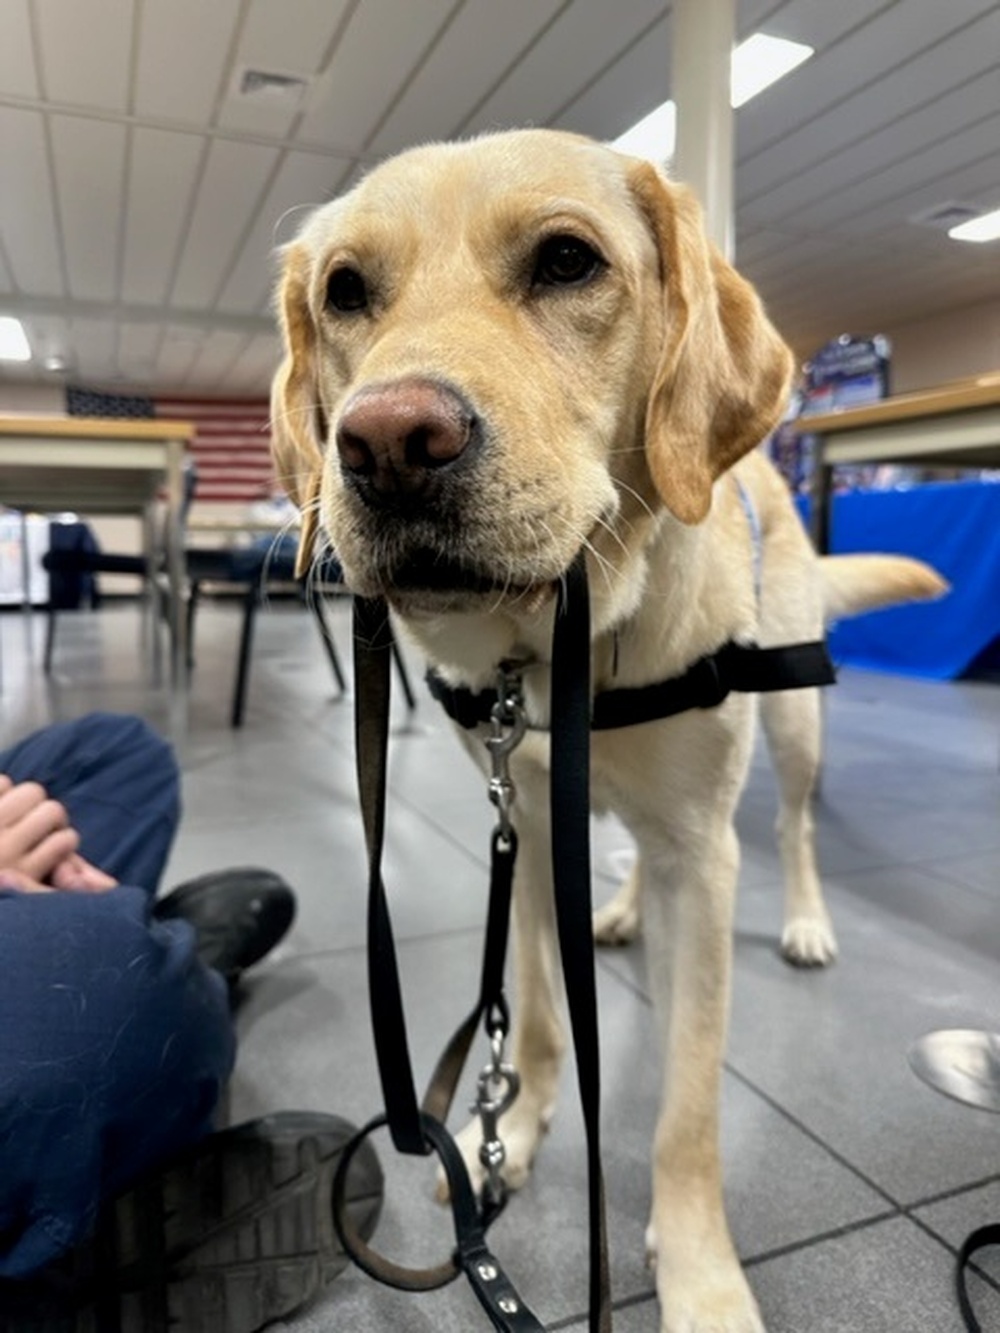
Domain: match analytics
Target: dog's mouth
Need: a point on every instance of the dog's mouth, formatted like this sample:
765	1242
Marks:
430	578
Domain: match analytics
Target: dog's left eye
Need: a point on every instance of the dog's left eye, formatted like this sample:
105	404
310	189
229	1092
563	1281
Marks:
565	261
346	290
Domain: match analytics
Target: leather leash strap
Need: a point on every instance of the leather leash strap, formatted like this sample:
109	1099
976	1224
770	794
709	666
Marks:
419	1129
978	1240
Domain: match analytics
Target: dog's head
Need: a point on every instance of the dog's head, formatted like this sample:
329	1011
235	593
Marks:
501	351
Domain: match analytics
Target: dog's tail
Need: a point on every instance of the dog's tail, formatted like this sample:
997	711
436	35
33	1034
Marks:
856	583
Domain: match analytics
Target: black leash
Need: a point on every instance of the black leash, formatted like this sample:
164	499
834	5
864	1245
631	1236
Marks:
418	1129
979	1239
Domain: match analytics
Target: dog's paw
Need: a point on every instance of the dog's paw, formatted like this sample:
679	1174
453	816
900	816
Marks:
521	1131
809	942
703	1295
617	922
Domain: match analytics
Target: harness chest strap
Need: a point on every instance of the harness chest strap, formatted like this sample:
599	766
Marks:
735	667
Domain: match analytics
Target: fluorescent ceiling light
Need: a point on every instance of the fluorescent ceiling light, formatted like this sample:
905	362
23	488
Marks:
756	64
13	342
760	61
985	228
653	137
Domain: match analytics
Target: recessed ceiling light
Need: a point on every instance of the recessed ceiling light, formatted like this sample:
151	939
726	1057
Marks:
984	228
760	61
653	137
13	340
756	64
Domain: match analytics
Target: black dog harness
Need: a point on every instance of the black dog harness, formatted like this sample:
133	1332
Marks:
743	668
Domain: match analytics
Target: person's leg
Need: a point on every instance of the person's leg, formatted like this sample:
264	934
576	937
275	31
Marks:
118	779
114	1048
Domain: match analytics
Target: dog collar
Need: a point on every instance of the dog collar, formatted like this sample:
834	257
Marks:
735	667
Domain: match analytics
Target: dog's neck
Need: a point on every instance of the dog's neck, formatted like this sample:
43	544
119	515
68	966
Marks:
656	606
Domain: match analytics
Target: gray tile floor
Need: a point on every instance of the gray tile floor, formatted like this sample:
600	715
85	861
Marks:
850	1184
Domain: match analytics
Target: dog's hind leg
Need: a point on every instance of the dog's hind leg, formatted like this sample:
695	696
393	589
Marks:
792	723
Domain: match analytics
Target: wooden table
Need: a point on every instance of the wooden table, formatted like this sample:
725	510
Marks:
106	466
954	426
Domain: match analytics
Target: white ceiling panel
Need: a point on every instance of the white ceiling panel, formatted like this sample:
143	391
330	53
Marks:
182	62
382	46
178	351
229	195
253	368
49	335
864	57
818	23
65	30
89	158
27	208
18	76
163	169
895	194
269	41
138	344
922	81
638	81
218	352
95	343
570	54
304	181
482	42
900	139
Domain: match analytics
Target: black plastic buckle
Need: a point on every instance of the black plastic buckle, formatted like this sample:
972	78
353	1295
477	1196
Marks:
708	689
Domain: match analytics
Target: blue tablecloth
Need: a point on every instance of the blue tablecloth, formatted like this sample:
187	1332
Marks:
954	526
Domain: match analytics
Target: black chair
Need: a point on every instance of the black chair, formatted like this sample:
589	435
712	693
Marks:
256	572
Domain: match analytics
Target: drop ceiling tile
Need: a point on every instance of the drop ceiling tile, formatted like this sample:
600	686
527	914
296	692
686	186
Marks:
228	196
177	353
95	342
571	53
304	181
6	281
636	83
89	157
868	55
934	93
138	344
163	169
182	63
18	75
269	42
256	364
381	47
482	42
85	51
49	335
217	353
27	209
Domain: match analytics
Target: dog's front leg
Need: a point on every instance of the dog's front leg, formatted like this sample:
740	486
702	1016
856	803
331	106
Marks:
688	913
537	1041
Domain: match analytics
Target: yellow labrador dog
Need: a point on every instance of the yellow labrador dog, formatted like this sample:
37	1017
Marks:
499	353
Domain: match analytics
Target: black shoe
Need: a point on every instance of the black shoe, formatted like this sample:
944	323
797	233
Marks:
233	1234
238	916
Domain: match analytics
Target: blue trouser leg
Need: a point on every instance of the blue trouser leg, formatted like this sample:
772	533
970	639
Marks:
114	1042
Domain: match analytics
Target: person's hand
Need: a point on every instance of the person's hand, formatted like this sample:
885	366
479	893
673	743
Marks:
38	845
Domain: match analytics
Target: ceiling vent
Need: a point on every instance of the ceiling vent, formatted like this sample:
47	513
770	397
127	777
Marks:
942	217
270	87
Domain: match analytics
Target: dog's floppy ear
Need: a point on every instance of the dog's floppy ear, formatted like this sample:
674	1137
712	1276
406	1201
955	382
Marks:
721	383
297	426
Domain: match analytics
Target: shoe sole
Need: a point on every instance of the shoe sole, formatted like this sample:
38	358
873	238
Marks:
234	1234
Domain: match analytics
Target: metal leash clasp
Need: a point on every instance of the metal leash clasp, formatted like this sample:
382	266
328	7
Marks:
498	1086
508	724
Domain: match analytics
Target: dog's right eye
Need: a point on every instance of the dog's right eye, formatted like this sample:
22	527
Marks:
346	291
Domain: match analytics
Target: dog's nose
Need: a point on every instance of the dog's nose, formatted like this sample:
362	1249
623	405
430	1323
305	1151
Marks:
394	438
